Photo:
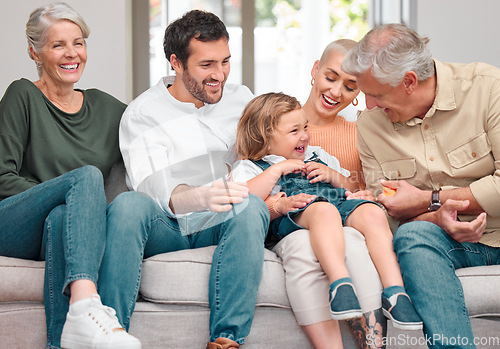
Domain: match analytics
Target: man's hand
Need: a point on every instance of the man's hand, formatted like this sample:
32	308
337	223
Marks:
406	203
221	195
446	218
292	203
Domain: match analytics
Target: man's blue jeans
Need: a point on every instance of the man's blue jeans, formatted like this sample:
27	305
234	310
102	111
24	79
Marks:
138	228
61	221
428	258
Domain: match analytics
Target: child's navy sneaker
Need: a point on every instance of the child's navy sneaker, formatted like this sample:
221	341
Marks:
397	307
344	304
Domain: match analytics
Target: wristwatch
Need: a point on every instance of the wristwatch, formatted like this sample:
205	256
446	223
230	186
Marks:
435	203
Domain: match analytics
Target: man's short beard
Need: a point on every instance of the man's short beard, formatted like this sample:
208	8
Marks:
198	91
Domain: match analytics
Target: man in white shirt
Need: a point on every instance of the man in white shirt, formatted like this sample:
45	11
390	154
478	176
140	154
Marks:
174	140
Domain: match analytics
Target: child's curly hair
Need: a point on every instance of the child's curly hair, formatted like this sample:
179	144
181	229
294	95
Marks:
259	121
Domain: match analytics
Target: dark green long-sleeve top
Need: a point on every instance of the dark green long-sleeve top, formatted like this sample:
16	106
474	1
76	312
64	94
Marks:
38	141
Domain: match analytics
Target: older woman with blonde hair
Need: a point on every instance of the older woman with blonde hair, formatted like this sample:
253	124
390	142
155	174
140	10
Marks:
57	144
332	91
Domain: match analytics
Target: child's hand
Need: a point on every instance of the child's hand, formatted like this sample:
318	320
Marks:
292	203
317	172
290	166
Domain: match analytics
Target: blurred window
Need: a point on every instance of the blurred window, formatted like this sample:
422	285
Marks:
289	35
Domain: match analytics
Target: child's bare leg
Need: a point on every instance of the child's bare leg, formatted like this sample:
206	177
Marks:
327	237
371	221
327	241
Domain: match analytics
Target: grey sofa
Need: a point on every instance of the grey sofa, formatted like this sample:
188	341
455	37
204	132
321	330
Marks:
173	308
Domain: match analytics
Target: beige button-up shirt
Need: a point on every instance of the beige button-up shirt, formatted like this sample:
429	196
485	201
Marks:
456	144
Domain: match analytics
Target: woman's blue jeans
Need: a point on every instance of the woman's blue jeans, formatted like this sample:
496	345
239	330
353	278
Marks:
138	228
428	258
61	221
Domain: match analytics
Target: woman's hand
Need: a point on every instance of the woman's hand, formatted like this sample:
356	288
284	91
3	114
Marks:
361	194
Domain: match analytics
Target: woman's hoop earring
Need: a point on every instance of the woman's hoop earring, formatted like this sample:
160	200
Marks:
355	100
39	64
312	82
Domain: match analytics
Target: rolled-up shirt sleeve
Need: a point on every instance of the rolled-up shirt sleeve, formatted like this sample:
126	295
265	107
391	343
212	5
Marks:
159	156
486	190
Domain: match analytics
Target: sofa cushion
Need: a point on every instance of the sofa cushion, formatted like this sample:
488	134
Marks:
21	280
178	277
481	290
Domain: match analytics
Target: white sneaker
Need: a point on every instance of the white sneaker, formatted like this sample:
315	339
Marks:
96	328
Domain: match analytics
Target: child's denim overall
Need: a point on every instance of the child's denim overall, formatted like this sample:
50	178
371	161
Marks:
296	183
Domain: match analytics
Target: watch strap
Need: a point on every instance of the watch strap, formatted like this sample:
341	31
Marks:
435	203
435	197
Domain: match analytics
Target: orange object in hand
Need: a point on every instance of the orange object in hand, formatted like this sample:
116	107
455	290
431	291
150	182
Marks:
388	191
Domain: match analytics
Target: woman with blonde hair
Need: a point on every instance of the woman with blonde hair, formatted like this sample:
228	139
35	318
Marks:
332	92
58	142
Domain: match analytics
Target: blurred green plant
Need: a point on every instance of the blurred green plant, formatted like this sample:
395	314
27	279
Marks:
348	18
266	15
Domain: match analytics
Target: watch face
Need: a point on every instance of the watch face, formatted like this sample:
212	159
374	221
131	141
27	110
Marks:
434	206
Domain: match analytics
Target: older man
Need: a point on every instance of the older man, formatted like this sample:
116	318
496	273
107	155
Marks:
432	133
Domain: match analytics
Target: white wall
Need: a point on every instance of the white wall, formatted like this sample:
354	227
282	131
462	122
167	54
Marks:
461	30
108	46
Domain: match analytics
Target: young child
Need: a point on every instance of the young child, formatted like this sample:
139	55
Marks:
272	141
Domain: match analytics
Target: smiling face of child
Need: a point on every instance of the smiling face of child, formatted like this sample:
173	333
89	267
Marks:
291	137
